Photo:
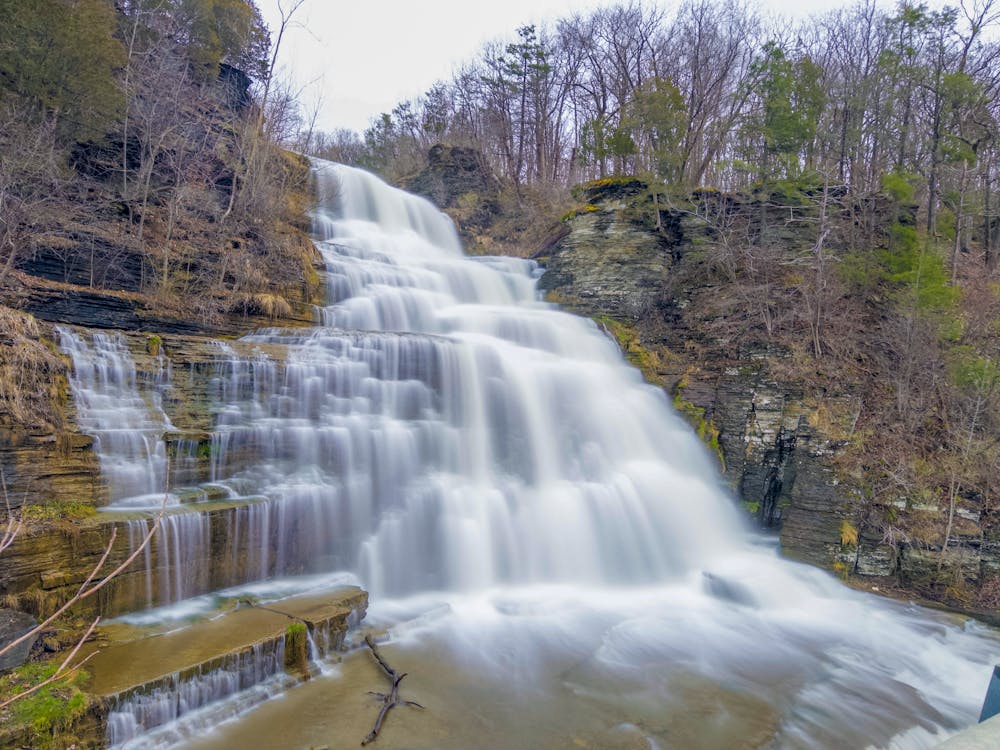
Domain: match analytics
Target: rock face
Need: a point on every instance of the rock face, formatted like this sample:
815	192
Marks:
604	266
459	182
13	625
782	431
452	175
777	444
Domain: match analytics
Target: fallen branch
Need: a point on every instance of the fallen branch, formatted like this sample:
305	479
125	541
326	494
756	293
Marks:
389	700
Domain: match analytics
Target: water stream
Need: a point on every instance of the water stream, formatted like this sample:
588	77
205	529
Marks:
547	540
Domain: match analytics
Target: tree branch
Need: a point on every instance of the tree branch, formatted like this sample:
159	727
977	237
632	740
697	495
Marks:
389	700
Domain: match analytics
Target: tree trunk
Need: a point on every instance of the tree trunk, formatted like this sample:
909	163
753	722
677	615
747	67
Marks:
959	221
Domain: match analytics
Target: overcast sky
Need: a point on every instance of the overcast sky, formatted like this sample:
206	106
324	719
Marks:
356	58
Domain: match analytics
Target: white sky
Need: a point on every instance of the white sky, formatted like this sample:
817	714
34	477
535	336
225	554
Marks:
352	59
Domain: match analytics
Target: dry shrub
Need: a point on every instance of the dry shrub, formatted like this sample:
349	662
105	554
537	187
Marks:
988	596
31	374
268	305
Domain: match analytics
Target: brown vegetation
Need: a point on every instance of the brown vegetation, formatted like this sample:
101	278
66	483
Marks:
32	376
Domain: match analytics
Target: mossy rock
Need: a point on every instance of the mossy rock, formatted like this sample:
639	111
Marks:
297	649
59	715
609	188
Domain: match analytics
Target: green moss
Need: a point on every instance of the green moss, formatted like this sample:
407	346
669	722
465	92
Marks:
153	345
297	649
695	415
57	511
751	507
587	208
608	182
52	709
608	187
648	362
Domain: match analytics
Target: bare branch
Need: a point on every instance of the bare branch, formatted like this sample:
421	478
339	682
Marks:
389	700
14	526
85	592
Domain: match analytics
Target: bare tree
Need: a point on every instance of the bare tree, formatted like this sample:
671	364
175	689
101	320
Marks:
31	175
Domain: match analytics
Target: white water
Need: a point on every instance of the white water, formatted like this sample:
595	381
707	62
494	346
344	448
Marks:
515	496
127	421
513	460
176	708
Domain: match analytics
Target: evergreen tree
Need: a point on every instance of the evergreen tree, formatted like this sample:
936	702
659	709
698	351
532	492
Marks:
63	58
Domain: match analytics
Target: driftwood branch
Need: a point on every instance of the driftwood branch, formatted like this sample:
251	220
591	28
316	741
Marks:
389	700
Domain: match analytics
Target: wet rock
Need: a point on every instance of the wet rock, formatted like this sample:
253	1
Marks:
13	625
918	565
214	658
605	266
875	558
727	590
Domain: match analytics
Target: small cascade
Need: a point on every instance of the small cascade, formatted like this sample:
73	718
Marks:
137	531
178	695
183	550
127	422
177	563
175	682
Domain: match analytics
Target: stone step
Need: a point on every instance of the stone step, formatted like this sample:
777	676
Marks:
147	678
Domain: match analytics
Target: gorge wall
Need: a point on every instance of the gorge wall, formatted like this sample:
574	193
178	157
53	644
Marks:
788	430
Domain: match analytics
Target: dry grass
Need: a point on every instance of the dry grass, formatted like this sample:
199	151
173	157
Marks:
32	376
988	596
269	305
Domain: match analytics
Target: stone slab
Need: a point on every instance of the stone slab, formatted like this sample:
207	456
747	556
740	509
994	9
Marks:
137	661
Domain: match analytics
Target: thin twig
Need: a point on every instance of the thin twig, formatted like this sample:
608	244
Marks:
13	529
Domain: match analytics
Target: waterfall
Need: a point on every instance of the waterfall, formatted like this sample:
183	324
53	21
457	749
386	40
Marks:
447	430
126	421
524	507
258	672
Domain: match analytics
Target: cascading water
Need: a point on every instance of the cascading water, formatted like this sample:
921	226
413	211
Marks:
446	430
526	509
128	427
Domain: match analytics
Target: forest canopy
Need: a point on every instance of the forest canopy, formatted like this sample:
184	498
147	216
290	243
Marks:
712	93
